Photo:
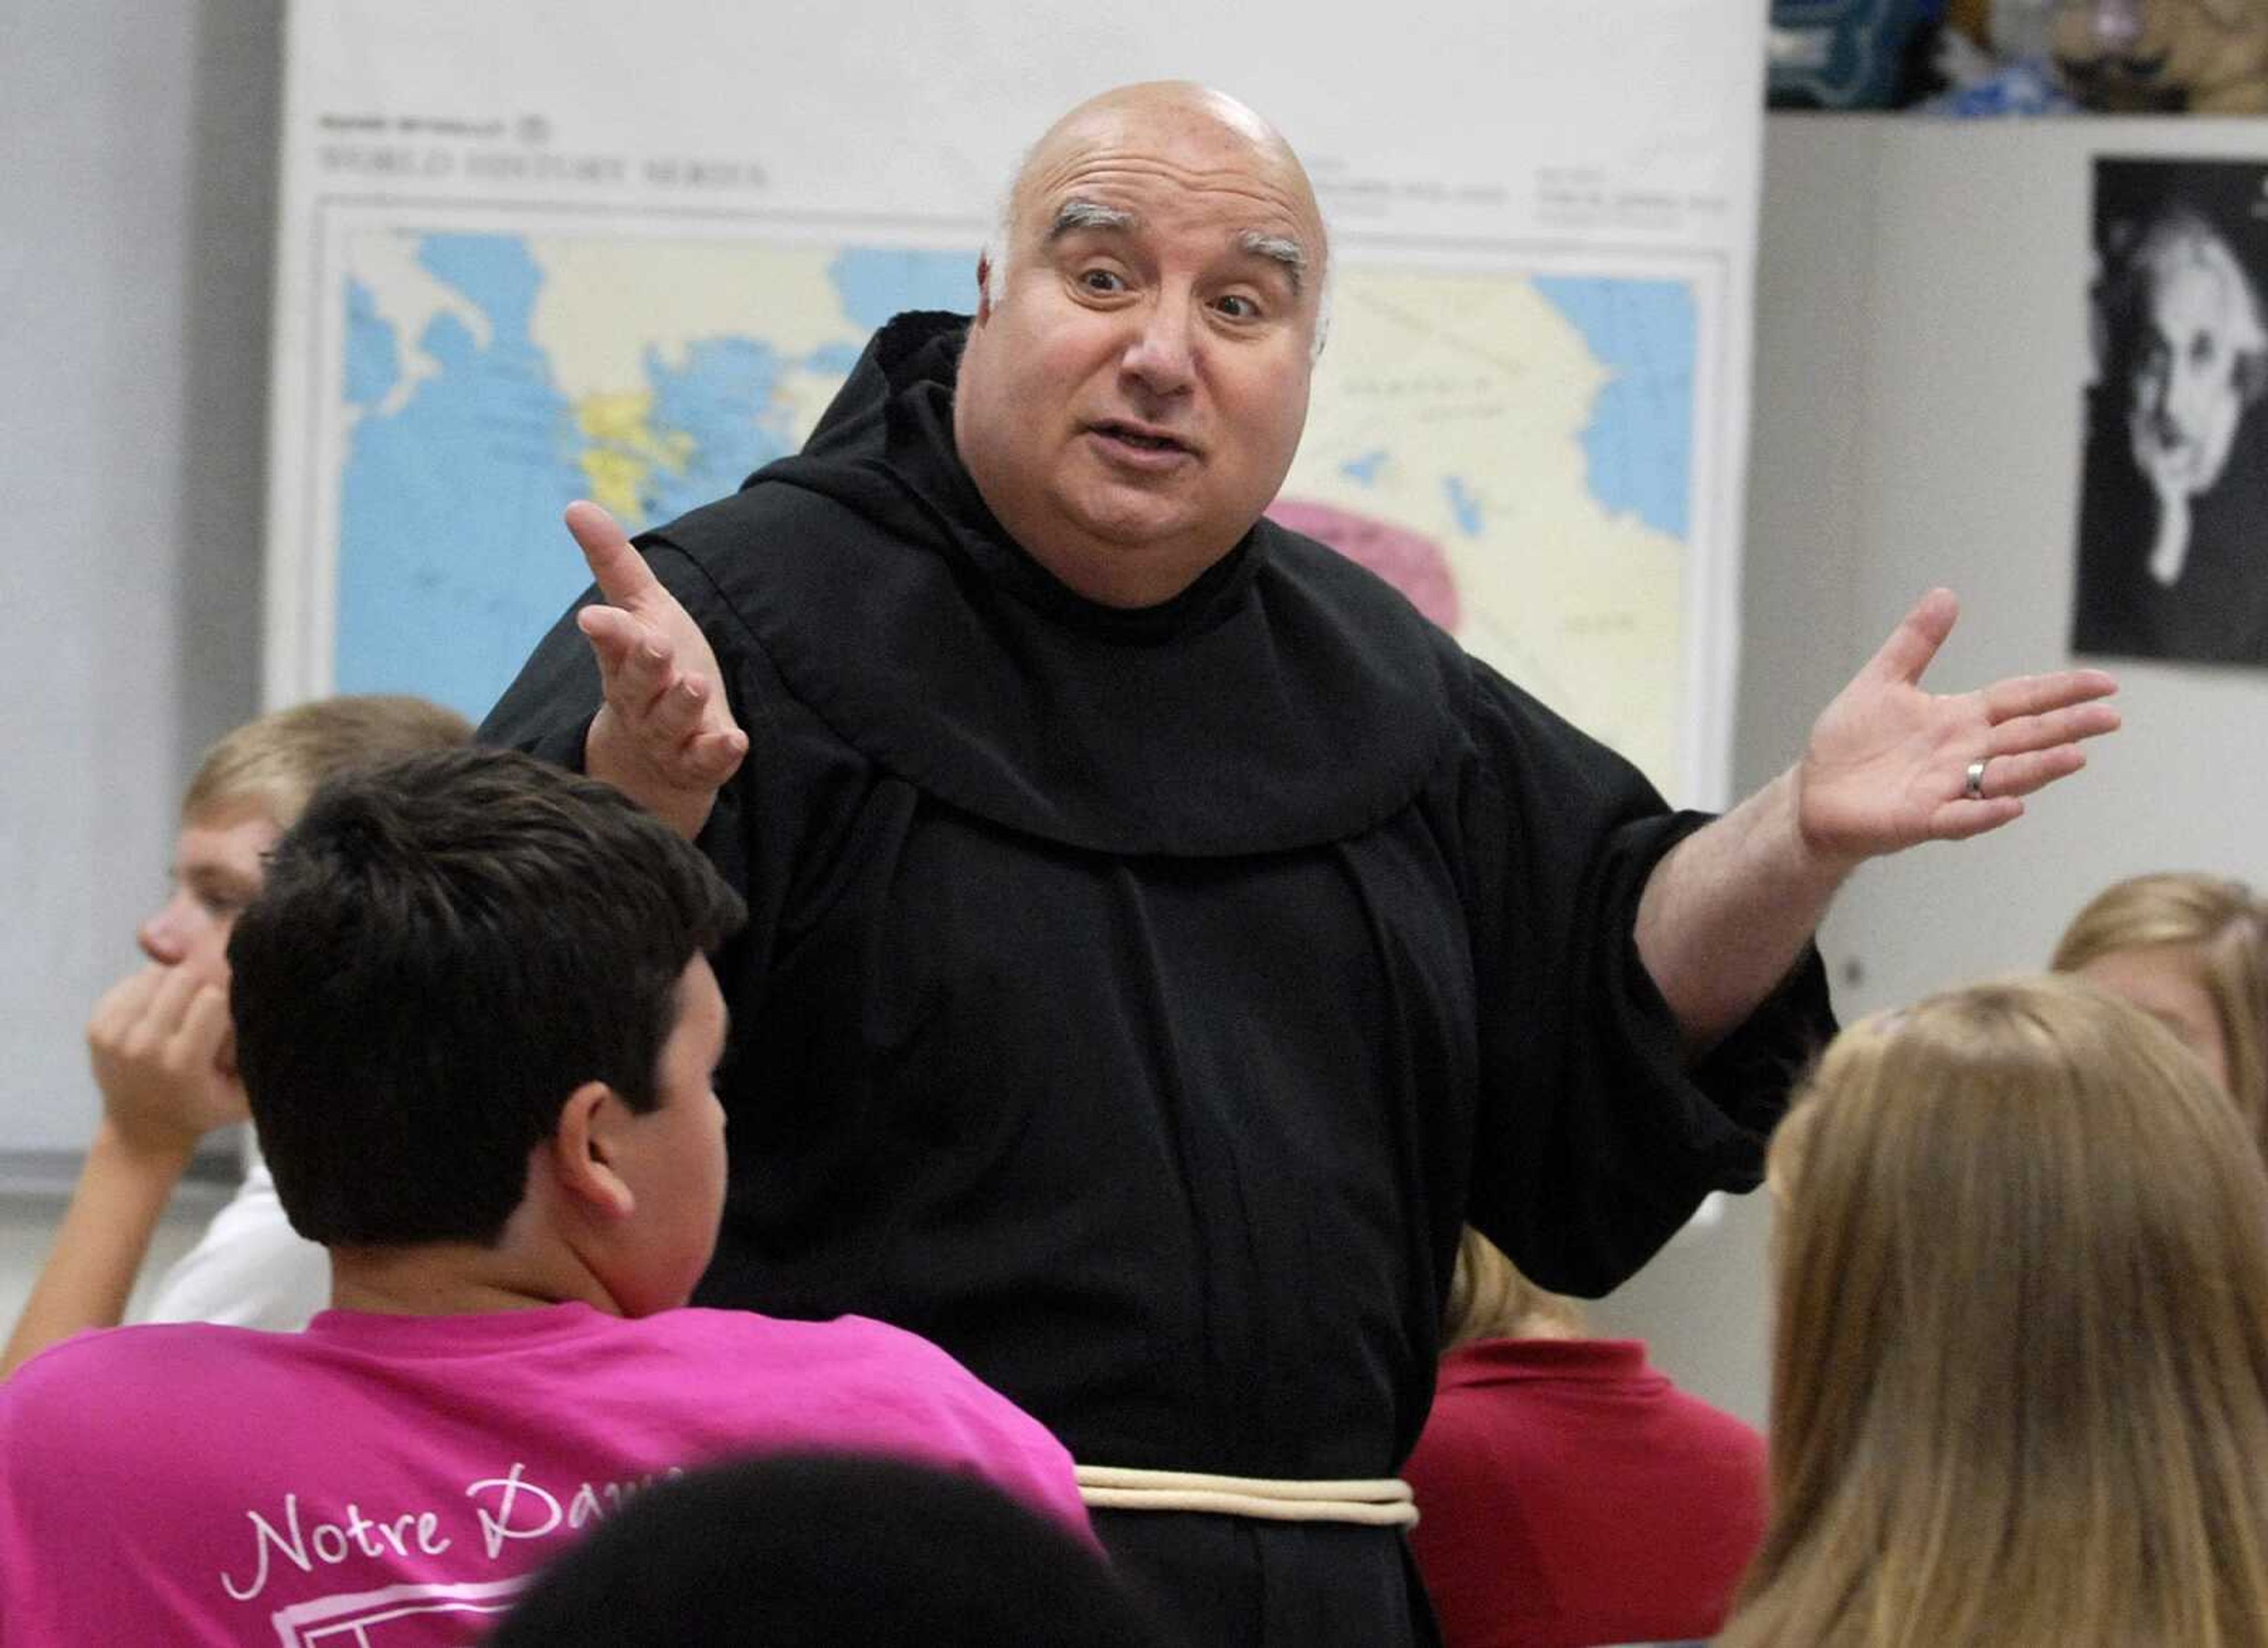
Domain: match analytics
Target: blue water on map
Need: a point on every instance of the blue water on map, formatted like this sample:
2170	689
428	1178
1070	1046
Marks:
1640	437
1364	468
452	562
874	285
450	558
1463	506
834	357
374	363
725	396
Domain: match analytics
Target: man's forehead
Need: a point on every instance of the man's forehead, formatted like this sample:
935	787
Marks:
1174	143
1132	180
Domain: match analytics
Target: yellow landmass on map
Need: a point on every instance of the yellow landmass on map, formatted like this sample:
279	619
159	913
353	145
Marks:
697	289
625	450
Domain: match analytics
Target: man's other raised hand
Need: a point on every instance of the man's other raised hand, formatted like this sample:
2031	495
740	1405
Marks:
666	736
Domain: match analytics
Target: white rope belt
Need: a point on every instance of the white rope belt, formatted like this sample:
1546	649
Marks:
1371	1501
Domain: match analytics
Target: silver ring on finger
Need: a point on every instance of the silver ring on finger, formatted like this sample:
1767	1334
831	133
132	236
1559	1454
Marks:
1972	786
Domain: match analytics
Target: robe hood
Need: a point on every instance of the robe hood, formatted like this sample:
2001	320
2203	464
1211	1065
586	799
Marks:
1287	698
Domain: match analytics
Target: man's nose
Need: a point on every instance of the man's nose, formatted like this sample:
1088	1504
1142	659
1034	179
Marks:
1160	354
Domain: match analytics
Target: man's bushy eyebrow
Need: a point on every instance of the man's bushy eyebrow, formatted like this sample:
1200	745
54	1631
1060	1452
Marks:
1277	249
1076	214
1079	214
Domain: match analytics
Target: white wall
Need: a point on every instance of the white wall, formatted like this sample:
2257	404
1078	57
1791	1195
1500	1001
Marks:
134	253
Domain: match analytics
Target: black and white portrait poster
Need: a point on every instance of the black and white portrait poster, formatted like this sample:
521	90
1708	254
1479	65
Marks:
2173	519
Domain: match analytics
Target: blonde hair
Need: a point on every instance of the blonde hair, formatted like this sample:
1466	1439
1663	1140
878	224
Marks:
2224	924
272	765
2020	1360
1490	1299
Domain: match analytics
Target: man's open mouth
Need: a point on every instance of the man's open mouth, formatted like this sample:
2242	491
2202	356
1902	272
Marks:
1144	439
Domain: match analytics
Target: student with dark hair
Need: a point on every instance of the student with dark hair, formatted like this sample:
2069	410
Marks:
810	1551
477	1026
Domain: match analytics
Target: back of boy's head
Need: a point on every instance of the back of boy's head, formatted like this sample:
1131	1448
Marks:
446	946
805	1551
270	765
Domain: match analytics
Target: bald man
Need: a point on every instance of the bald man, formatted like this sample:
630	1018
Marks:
1162	937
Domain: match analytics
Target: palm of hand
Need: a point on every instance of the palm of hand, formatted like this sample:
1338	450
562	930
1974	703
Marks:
1874	775
1888	763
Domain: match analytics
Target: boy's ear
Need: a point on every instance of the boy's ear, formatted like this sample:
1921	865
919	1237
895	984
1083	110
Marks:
585	1151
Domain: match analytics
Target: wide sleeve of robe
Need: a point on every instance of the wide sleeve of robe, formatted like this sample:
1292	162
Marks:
1594	1140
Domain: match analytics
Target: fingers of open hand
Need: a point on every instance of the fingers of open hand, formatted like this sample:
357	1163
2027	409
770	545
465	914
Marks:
660	688
712	757
1915	642
1957	820
2057	729
628	650
660	705
2007	776
2021	696
676	712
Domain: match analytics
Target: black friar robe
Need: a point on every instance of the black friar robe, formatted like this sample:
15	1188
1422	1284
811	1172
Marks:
1136	1002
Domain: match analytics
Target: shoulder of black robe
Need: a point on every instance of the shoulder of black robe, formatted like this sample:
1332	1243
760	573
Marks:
1288	697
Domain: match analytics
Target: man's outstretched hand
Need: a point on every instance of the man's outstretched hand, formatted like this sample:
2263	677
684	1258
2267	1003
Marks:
1730	908
1888	762
666	736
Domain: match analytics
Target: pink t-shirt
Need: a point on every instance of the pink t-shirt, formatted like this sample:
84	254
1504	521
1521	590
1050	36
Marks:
380	1482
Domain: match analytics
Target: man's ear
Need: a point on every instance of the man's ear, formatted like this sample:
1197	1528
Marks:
585	1151
983	287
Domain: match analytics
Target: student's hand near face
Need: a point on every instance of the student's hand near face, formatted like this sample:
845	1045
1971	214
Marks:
666	736
163	1056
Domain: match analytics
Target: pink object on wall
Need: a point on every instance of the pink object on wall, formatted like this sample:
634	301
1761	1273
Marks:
1411	562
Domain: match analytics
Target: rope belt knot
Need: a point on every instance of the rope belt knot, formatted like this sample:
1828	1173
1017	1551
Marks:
1369	1501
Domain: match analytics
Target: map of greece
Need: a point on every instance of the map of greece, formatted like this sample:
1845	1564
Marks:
1514	451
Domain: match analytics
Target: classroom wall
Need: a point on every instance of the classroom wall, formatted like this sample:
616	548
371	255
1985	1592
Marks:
134	254
134	238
